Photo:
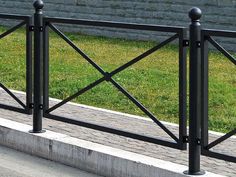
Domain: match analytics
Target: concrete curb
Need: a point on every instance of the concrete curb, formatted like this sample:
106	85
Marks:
91	157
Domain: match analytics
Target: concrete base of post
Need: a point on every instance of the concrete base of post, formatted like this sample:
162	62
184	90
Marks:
202	172
40	131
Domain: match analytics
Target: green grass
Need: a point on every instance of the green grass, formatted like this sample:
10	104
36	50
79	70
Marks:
153	81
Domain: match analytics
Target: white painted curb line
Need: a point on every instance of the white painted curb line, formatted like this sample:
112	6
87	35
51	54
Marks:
91	157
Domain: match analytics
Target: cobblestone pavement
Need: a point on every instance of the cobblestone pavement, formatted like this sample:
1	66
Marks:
124	122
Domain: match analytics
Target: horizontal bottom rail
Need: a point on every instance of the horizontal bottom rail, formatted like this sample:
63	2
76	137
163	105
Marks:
217	155
116	131
12	108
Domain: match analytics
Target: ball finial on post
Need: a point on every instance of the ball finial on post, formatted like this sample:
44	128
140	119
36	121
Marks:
195	14
38	4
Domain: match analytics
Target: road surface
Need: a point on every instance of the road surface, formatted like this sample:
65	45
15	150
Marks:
18	164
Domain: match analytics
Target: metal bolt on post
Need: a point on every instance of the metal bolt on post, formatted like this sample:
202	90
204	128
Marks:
195	93
38	67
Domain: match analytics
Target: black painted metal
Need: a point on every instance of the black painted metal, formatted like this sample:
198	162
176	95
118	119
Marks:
25	21
29	70
113	131
111	74
183	89
204	90
198	42
206	37
143	27
219	33
108	77
38	65
218	155
13	96
222	50
77	49
46	67
12	29
14	16
221	139
195	94
141	107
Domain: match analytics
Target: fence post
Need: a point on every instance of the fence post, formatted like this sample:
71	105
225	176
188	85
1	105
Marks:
45	67
195	93
29	70
38	67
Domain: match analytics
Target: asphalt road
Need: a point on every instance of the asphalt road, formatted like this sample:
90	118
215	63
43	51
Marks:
18	164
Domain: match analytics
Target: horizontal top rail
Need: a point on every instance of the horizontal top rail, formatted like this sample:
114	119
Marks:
111	24
220	33
15	16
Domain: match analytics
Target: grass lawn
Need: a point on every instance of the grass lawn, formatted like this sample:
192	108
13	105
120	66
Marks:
153	81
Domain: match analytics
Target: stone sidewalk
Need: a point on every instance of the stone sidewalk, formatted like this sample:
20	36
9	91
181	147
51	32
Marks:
124	122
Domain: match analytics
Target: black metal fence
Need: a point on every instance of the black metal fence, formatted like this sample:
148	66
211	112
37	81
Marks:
24	21
198	84
207	37
179	33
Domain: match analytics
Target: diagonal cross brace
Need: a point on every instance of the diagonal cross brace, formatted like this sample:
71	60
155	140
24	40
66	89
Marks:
221	139
13	96
222	50
145	110
12	29
108	77
76	48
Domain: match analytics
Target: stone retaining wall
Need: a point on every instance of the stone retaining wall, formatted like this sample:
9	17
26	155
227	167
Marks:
218	14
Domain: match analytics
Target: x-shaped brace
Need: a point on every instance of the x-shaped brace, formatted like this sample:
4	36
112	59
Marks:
108	77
